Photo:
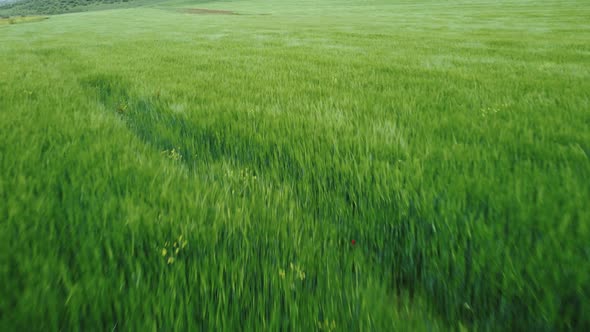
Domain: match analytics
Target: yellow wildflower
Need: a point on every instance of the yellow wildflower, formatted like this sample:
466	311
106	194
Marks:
327	325
164	252
301	274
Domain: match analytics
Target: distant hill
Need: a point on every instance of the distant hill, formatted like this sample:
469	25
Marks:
5	2
29	7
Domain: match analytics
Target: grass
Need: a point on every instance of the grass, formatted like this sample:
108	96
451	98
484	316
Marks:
168	170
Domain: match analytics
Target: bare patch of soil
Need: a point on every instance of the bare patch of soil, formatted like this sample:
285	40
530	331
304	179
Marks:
203	11
21	19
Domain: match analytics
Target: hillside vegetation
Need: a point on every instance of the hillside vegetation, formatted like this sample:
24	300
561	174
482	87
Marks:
32	7
326	165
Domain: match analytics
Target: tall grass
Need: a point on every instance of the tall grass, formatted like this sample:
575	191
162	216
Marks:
172	171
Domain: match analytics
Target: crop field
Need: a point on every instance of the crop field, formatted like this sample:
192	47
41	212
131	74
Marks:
325	165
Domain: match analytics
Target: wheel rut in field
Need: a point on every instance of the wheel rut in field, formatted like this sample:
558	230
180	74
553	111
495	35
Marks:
193	140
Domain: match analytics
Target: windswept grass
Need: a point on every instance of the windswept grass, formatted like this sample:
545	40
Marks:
168	170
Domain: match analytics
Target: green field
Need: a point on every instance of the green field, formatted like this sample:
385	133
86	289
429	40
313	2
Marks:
206	165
